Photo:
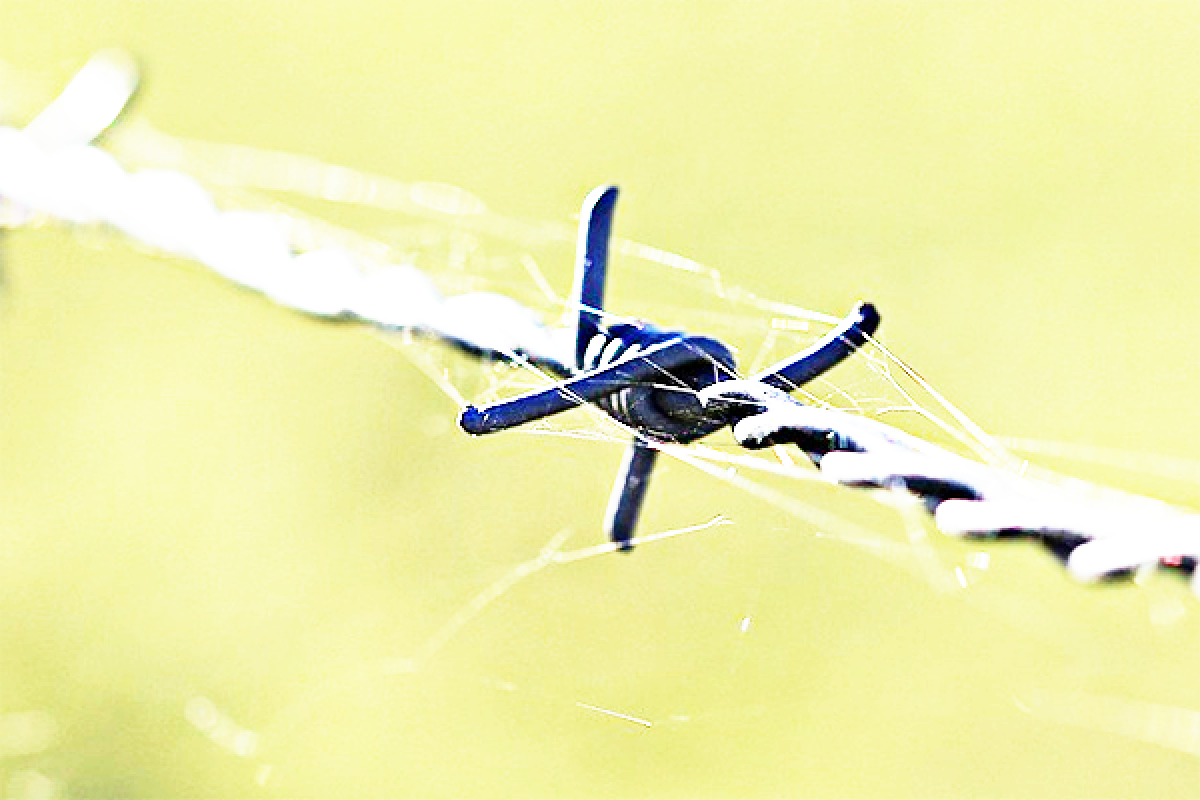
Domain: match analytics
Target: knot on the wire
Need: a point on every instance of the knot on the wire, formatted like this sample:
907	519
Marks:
734	401
668	409
763	416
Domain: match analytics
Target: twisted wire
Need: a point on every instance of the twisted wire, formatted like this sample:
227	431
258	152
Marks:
52	168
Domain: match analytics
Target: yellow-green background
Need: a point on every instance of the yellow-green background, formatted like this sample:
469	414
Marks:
203	495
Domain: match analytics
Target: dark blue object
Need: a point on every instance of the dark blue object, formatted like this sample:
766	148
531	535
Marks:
647	377
837	345
591	265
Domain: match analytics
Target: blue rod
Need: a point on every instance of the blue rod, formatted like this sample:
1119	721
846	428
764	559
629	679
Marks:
628	492
591	265
652	365
836	346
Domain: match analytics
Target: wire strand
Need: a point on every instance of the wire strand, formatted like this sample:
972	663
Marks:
51	169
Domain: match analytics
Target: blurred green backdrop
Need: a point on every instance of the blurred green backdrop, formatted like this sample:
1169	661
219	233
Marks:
214	512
